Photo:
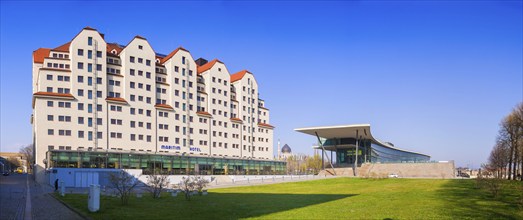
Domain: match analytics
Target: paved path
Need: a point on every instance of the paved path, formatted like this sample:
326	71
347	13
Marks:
41	205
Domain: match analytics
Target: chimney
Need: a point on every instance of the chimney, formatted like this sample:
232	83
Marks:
200	61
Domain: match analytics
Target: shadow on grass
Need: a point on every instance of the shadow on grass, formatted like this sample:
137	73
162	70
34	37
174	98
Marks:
463	200
212	206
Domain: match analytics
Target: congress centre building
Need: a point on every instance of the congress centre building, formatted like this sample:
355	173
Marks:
351	145
105	105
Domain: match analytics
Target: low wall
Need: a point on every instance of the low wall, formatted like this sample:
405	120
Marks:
443	170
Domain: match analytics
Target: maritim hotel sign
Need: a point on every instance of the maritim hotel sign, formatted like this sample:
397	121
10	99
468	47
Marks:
170	147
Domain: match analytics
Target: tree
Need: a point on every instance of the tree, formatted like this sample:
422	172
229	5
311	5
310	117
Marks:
510	132
124	184
28	153
156	184
314	163
200	184
498	159
187	185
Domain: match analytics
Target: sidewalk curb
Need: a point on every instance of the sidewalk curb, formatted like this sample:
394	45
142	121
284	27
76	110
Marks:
70	207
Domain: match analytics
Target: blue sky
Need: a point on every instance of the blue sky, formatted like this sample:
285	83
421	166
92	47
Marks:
434	77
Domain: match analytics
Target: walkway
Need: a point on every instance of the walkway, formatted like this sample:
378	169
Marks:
41	205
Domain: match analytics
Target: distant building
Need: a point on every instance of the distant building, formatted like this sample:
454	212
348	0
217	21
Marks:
6	165
350	144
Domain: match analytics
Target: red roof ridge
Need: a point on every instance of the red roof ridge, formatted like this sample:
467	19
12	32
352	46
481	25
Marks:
89	28
140	37
170	55
239	75
163	106
65	95
63	47
40	54
207	66
204	113
265	125
116	99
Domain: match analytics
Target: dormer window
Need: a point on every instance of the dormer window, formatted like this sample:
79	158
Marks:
113	51
157	60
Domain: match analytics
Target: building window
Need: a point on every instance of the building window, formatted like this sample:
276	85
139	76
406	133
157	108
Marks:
80	65
50	131
80	52
89	41
131	59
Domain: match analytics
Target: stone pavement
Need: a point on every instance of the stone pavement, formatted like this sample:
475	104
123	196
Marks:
42	205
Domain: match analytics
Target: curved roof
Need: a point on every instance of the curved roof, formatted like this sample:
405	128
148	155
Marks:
348	131
286	149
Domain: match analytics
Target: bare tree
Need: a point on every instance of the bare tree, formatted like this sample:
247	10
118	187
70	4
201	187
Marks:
28	153
509	131
157	184
200	183
498	159
124	184
187	185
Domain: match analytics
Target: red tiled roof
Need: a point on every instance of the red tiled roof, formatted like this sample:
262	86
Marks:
114	46
239	75
54	94
170	55
204	113
55	69
163	106
40	54
116	99
140	37
207	66
89	28
236	119
265	125
63	48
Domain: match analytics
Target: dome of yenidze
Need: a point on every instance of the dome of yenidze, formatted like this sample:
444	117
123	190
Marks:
286	149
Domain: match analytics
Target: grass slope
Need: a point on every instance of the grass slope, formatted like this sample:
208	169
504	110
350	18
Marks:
339	198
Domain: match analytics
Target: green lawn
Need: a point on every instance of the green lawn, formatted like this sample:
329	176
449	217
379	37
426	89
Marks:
340	198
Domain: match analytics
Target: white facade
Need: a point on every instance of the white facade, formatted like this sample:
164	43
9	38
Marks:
90	95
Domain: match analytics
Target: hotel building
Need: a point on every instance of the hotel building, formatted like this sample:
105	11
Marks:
105	105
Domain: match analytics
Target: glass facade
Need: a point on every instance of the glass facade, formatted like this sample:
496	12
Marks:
370	152
165	164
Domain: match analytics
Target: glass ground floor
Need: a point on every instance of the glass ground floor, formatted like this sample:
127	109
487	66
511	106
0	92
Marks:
165	164
345	153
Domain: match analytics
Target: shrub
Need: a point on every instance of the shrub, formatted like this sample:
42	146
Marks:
124	184
156	184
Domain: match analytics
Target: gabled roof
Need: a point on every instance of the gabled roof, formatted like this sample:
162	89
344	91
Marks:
208	66
239	75
63	48
40	54
170	55
114	46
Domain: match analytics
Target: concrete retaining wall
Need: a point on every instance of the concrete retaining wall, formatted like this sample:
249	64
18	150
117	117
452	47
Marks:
443	170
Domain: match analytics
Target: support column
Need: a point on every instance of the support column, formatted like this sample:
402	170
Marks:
356	155
322	163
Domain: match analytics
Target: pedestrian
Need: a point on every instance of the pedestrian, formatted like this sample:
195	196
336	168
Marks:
56	185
